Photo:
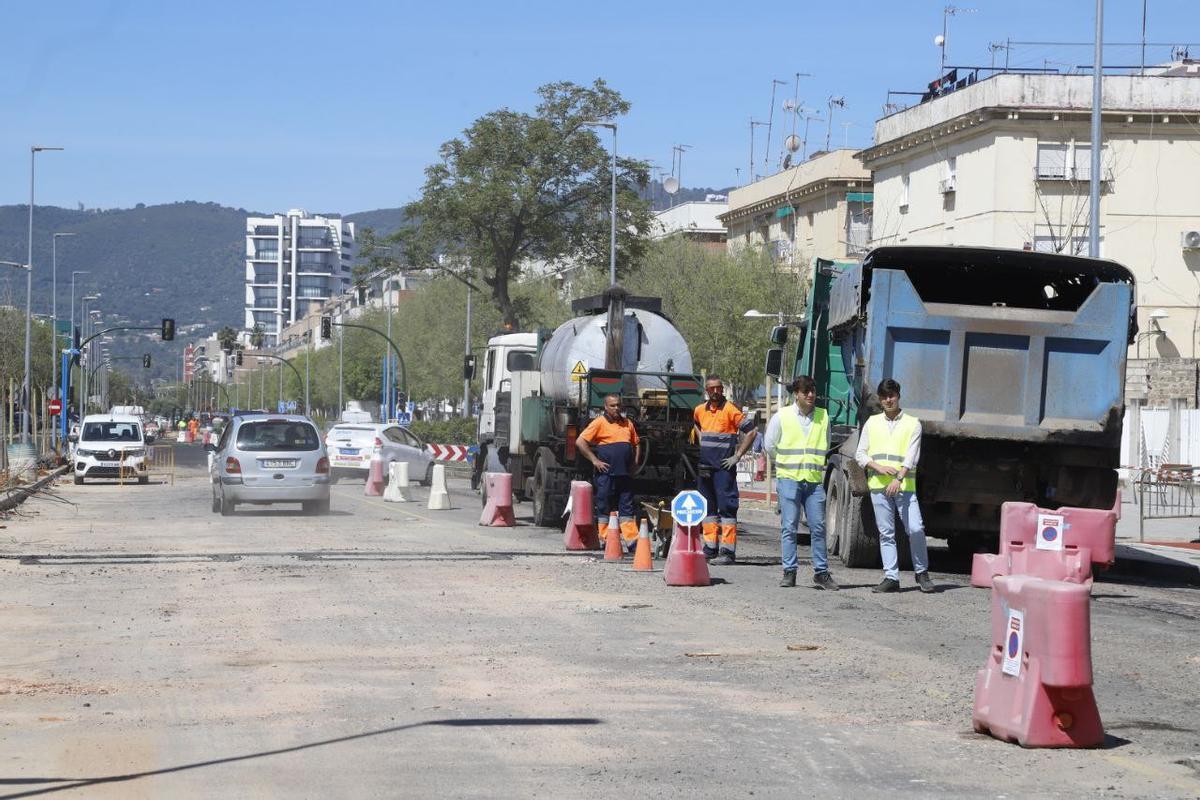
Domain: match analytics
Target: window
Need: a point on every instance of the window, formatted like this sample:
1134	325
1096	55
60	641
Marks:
904	187
313	238
111	432
264	274
311	286
1052	160
277	435
313	262
266	230
266	251
491	368
264	298
1083	162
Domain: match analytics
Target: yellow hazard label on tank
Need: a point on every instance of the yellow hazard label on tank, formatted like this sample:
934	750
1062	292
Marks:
578	371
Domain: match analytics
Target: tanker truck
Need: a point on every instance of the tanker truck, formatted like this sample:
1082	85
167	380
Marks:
541	390
1014	361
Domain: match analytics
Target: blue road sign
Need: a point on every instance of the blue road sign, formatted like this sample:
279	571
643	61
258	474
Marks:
282	407
291	405
403	418
689	508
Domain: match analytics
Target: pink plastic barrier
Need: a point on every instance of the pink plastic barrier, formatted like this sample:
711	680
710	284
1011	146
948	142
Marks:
686	564
1036	687
581	527
374	487
498	512
1059	544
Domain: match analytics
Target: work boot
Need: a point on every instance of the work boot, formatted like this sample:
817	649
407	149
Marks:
789	579
887	585
723	560
823	580
924	583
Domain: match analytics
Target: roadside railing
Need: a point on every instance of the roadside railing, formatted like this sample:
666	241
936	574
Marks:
162	462
1169	491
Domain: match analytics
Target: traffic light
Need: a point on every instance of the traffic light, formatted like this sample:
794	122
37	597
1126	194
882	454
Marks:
75	339
146	361
238	357
168	330
468	367
401	399
326	327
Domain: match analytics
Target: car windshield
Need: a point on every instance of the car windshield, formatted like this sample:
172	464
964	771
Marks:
277	435
111	432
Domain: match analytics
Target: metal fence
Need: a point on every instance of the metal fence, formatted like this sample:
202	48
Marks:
1170	491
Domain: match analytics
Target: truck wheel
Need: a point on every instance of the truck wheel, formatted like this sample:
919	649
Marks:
857	541
483	492
543	511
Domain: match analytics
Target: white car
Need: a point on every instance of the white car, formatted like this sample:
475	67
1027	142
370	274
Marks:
110	446
352	445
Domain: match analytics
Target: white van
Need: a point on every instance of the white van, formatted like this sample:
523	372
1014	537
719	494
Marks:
110	446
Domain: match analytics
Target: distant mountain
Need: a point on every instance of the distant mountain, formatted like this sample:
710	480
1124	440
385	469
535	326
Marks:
660	200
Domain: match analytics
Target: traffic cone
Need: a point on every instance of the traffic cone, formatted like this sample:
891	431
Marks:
613	551
643	559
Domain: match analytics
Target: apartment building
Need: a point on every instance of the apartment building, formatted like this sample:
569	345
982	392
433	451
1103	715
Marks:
818	208
294	264
695	220
1006	161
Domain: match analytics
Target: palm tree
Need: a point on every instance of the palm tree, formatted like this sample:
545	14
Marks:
227	337
257	336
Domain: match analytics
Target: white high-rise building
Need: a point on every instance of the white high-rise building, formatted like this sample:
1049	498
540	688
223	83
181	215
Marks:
294	263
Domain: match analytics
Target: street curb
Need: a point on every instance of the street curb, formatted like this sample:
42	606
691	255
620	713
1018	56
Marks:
1155	567
19	494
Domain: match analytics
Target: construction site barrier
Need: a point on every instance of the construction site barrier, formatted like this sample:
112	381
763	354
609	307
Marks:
580	533
686	564
1056	544
397	490
161	463
498	512
374	484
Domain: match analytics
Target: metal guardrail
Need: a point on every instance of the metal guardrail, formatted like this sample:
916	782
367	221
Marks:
1170	491
162	461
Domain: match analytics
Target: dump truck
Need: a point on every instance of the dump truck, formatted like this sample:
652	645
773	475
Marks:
541	389
1014	361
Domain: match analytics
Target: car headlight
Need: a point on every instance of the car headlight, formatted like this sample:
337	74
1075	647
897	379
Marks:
79	451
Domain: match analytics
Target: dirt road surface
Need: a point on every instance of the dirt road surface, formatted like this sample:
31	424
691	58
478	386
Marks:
152	648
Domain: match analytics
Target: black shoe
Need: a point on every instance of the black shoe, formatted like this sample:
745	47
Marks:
925	584
723	560
887	585
823	580
789	579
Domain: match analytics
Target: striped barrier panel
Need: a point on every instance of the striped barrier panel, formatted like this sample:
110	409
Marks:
450	452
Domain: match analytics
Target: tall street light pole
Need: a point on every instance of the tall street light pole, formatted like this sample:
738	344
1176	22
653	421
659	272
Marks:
54	348
1097	98
612	244
71	333
33	151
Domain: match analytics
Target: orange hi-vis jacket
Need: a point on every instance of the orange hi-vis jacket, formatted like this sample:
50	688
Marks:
614	442
719	430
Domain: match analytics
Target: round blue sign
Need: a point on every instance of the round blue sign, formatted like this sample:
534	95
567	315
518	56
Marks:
1014	643
1049	533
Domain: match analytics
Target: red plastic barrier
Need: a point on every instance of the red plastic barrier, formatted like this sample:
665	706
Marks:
581	527
1058	544
1036	687
686	564
498	513
374	487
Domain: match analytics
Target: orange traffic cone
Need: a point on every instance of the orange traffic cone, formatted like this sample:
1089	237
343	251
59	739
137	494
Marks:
643	559
612	541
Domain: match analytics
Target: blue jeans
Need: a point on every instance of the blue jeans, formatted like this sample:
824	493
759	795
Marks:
793	494
904	505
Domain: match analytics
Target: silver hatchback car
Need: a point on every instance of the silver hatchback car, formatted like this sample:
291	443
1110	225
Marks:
269	458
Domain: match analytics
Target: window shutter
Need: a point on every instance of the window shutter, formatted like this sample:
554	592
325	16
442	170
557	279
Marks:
1052	161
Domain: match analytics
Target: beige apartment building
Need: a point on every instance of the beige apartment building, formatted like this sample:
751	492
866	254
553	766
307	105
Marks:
1006	162
821	207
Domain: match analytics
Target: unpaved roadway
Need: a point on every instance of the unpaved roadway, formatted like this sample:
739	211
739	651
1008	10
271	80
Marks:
153	649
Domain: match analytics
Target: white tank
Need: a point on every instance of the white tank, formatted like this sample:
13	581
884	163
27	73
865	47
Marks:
651	344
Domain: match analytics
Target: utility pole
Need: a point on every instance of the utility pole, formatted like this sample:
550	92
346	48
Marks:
1097	101
466	406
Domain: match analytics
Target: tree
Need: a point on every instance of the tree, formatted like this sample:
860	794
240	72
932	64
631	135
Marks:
227	337
257	336
517	189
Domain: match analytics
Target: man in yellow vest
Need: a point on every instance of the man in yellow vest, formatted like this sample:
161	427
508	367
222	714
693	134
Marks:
798	437
889	449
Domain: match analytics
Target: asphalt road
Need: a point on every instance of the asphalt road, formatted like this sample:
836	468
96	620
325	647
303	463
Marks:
154	649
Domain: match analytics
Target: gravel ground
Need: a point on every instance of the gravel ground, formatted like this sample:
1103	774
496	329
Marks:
154	649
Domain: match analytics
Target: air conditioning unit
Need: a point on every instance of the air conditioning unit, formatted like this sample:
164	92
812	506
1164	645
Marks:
946	185
1190	240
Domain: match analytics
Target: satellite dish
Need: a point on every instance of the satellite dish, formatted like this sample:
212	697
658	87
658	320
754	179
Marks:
939	40
789	105
787	161
671	185
792	143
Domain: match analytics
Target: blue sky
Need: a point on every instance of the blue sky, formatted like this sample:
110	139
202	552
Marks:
340	106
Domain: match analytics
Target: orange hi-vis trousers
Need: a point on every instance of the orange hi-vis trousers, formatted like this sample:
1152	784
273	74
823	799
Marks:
727	532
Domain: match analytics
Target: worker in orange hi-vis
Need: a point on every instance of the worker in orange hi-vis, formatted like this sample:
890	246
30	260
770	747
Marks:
726	434
610	442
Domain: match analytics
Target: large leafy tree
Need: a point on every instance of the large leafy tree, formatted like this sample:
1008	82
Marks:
517	190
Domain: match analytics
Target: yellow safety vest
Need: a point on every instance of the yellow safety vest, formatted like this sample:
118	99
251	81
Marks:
799	456
889	448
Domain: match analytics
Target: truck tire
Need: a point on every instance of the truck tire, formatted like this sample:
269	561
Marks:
849	521
544	505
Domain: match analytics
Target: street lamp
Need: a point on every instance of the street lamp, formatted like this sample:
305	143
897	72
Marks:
73	274
33	151
54	314
612	245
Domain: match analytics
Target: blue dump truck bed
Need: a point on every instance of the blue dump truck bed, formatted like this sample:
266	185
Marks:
1014	362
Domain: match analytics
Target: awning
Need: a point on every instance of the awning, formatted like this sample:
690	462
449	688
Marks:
860	197
786	211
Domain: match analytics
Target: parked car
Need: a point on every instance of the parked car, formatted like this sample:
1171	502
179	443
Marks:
351	447
269	459
110	446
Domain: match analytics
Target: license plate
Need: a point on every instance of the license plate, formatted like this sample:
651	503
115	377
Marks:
109	463
278	463
354	459
349	451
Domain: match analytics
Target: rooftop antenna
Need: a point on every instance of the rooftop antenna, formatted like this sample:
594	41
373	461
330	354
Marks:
995	47
771	122
846	134
672	184
839	102
753	124
804	141
940	41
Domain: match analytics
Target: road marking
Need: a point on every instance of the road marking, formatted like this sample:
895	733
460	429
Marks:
362	499
1153	772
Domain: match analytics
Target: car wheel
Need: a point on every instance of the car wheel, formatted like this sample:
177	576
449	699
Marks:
428	475
143	480
79	480
323	506
227	507
216	501
333	477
